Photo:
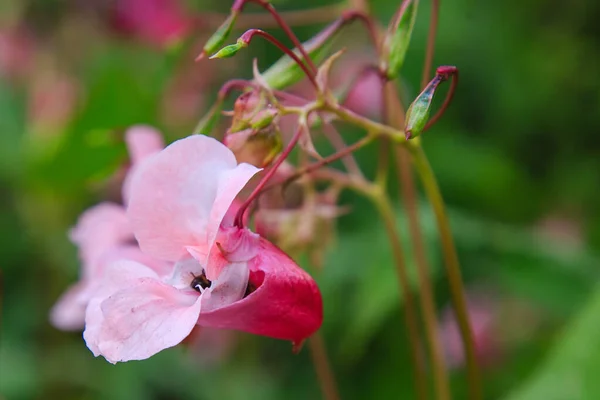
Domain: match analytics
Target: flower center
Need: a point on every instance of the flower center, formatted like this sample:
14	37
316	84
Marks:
200	282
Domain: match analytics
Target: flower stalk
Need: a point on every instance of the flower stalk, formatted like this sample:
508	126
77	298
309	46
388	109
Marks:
451	263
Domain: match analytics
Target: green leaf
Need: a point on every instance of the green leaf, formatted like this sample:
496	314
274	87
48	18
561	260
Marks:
572	368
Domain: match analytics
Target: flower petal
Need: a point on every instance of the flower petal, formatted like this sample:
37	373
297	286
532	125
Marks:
287	303
142	142
142	320
174	192
118	275
68	313
99	229
228	288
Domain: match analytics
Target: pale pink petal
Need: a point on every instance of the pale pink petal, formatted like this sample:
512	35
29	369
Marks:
287	303
142	320
231	183
118	275
69	311
143	141
99	229
173	195
184	273
228	288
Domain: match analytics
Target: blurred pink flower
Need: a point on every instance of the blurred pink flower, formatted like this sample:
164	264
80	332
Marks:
483	315
16	53
158	22
103	234
223	276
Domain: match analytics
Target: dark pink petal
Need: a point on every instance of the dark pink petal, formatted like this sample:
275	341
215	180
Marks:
182	193
286	305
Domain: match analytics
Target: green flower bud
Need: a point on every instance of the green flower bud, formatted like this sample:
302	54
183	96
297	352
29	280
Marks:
229	51
397	39
219	37
418	112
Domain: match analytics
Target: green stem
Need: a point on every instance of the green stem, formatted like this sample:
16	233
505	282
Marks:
343	113
451	262
409	197
387	215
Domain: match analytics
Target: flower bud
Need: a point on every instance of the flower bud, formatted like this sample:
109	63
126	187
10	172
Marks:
246	107
255	147
219	37
263	118
229	51
417	116
418	113
397	39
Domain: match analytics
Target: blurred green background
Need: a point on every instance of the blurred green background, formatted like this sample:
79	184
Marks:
517	156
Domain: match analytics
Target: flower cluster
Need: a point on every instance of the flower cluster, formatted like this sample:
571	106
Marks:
170	258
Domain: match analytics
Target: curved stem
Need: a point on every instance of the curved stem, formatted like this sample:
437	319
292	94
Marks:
433	24
410	313
329	159
451	262
239	5
239	218
249	34
211	20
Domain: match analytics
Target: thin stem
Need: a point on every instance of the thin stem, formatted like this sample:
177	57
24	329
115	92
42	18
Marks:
239	5
249	34
426	292
318	354
407	185
410	313
239	218
337	141
365	123
451	263
433	24
327	160
210	20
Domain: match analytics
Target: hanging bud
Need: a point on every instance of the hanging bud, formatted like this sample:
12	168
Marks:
230	51
417	116
397	39
219	37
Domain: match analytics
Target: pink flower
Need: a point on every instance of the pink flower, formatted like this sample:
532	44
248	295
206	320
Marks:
158	22
223	276
103	234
